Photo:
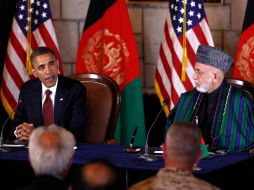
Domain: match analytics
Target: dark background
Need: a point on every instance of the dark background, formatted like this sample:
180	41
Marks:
6	15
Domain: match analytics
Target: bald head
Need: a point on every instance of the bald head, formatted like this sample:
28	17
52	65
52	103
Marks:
96	174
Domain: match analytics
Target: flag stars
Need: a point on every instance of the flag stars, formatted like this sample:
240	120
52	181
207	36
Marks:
199	6
35	21
38	3
28	18
37	12
20	16
193	4
32	1
180	20
176	8
189	22
44	15
172	6
31	10
182	10
191	13
22	7
179	29
199	15
174	17
45	5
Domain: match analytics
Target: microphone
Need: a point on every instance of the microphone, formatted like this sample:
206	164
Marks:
131	148
2	149
133	137
146	156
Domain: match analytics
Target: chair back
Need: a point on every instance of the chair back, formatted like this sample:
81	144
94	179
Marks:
103	104
244	85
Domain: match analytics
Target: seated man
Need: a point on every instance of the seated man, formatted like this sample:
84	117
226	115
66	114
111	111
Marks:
96	175
51	150
223	113
180	152
50	98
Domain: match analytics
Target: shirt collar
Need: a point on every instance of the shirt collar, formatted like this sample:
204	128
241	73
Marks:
52	89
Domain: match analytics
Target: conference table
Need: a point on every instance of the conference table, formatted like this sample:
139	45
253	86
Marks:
229	171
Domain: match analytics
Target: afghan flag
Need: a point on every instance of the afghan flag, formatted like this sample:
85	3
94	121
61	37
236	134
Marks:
244	61
107	46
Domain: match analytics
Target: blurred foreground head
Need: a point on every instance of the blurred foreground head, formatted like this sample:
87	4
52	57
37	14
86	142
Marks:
96	175
182	145
51	150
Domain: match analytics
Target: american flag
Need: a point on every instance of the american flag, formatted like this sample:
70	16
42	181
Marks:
168	82
32	27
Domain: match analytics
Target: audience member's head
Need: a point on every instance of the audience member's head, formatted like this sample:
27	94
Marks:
97	174
51	150
182	146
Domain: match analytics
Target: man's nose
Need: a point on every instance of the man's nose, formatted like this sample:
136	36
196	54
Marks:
47	69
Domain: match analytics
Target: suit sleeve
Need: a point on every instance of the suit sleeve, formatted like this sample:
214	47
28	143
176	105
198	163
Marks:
19	116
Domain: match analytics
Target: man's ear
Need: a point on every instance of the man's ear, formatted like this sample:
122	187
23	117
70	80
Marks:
164	151
34	73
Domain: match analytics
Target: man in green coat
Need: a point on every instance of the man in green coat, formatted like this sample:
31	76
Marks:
224	113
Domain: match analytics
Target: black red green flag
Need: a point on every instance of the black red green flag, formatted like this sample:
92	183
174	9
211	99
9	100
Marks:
107	46
244	61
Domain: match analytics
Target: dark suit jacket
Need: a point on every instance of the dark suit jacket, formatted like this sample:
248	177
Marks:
69	108
46	182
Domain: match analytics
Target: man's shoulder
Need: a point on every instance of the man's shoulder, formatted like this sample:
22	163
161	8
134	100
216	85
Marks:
143	185
68	81
190	93
244	93
30	83
69	84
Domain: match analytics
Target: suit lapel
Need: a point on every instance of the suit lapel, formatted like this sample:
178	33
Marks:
60	98
38	101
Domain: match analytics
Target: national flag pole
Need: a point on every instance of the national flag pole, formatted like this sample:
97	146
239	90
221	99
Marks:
185	58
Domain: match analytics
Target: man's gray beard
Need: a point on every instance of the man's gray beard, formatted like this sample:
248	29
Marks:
205	87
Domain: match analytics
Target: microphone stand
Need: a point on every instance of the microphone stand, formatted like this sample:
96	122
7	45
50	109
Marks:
146	156
2	148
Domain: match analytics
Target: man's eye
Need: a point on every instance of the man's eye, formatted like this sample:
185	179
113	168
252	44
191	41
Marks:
200	72
41	67
52	63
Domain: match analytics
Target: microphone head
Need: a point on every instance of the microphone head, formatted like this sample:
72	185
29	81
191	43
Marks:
165	102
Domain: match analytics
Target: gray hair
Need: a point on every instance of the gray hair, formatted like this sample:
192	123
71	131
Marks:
183	140
50	150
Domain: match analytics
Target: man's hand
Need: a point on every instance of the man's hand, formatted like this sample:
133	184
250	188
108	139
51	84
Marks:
23	131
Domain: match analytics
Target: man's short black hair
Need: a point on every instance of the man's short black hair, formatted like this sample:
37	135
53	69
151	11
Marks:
41	51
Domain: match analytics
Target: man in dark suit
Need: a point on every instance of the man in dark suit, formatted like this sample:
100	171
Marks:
51	151
66	101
